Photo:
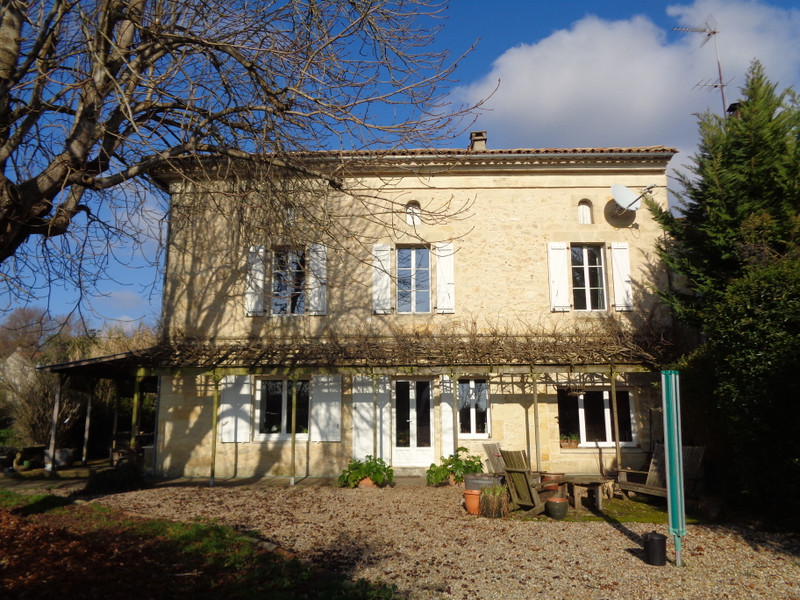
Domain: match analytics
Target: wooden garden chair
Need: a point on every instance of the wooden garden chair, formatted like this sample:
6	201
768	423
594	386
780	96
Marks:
655	483
526	488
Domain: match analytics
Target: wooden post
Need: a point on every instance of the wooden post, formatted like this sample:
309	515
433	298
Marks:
615	418
293	382
135	409
87	423
51	466
454	389
375	416
535	382
216	378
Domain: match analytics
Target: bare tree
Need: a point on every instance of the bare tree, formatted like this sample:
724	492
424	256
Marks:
98	96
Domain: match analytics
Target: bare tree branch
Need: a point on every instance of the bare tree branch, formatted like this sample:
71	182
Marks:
96	96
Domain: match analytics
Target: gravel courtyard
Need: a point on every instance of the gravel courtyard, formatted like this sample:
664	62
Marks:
422	540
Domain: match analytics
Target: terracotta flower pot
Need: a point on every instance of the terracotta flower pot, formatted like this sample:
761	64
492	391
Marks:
472	500
367	483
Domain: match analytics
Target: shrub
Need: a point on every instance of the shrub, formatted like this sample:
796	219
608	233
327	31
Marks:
374	468
454	465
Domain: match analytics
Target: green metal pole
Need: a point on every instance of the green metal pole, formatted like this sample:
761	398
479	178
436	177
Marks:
673	455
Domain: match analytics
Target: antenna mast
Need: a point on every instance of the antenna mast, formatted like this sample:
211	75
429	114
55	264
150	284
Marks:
709	29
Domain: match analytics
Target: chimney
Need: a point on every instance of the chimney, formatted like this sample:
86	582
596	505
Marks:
477	140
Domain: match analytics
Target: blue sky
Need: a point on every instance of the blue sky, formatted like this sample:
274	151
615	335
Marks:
580	74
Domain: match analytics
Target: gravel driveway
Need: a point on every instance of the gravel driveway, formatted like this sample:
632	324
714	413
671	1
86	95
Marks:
422	540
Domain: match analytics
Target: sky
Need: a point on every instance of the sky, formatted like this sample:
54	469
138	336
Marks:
584	74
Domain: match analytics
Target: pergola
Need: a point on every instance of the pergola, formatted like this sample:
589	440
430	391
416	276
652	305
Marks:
560	359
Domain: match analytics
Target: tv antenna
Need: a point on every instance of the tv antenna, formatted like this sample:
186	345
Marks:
710	31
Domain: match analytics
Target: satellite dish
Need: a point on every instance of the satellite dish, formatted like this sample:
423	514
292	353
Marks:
626	198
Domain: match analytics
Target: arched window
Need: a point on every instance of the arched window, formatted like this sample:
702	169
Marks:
413	212
585	212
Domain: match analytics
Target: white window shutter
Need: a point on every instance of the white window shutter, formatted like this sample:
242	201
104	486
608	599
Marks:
317	279
621	272
558	264
234	408
382	279
326	408
445	278
255	281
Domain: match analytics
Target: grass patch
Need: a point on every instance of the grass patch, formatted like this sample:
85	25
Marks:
113	553
638	509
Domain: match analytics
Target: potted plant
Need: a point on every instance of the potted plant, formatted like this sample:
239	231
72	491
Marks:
494	501
570	440
454	467
370	472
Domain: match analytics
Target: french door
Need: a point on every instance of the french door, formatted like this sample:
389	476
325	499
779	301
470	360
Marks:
413	423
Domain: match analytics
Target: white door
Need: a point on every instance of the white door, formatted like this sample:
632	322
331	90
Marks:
413	423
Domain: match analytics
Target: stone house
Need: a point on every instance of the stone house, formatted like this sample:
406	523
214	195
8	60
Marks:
527	318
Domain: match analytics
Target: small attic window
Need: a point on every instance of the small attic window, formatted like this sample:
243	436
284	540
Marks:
413	212
585	212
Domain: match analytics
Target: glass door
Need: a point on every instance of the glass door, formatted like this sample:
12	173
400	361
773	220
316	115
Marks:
413	424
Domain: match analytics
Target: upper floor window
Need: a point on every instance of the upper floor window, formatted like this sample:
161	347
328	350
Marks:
588	279
289	282
413	280
585	212
579	279
473	407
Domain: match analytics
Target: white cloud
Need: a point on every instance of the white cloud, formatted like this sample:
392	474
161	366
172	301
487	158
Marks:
632	82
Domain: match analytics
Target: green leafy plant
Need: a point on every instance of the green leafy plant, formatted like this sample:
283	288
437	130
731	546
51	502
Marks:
455	465
374	468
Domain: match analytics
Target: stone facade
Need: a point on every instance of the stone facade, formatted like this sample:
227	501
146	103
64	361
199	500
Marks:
526	227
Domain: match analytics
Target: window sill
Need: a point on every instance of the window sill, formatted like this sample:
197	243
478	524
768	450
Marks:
279	437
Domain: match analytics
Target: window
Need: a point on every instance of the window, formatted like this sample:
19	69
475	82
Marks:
585	212
413	213
413	280
274	407
289	282
588	282
589	415
473	407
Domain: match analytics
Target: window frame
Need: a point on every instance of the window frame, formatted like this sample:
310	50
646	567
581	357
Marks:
586	269
286	398
473	399
414	285
302	293
607	419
